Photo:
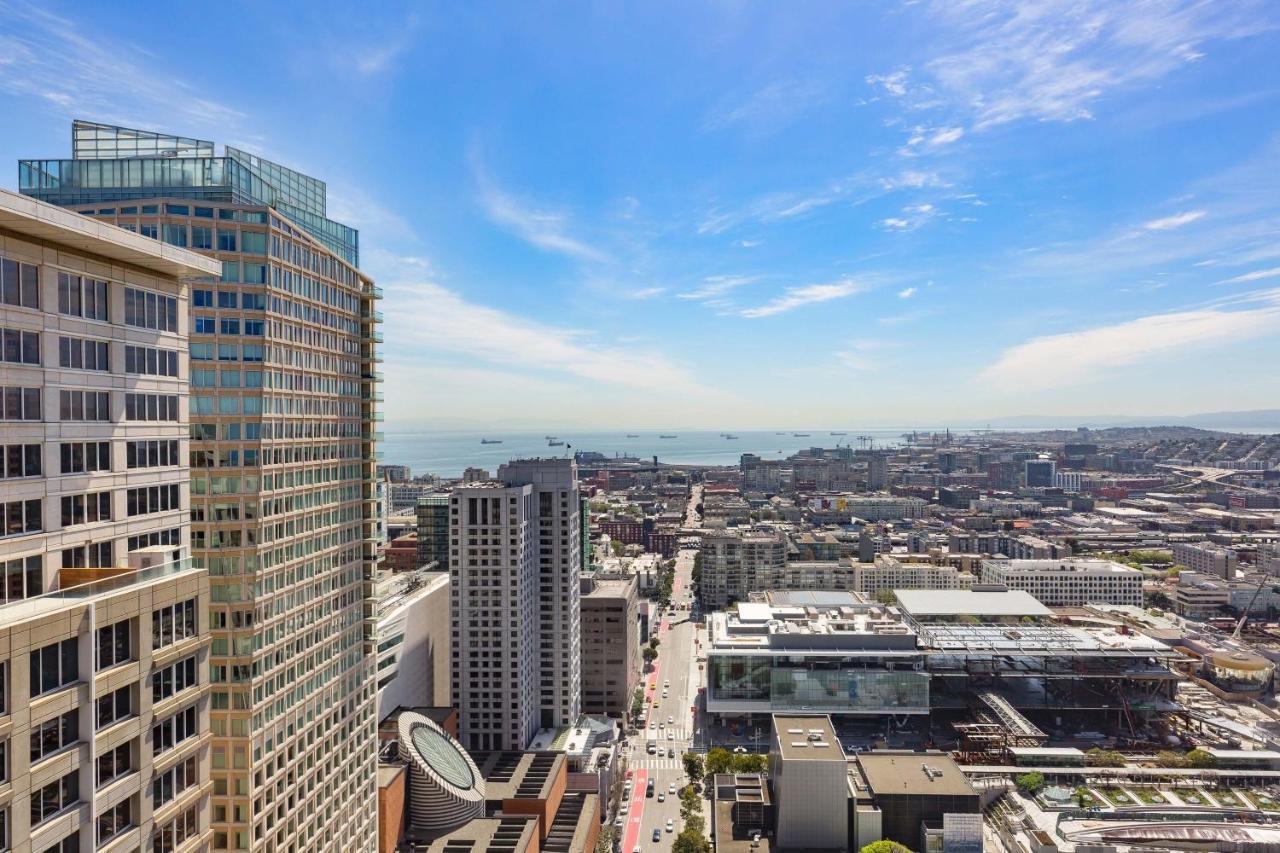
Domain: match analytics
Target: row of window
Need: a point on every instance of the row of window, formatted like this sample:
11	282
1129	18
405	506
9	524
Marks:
20	578
173	679
54	735
152	453
147	310
149	499
21	404
81	354
227	326
229	299
231	378
84	405
82	457
149	361
227	352
151	407
83	297
22	517
86	508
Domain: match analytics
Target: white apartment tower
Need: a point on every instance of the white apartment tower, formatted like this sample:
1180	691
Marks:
514	601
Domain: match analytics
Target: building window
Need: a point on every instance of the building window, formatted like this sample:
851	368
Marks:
175	780
147	310
86	509
95	555
173	679
81	457
21	578
80	354
22	517
175	833
113	764
19	460
153	499
84	405
113	645
170	732
54	735
113	707
82	297
54	797
21	404
147	361
19	347
19	284
173	624
151	454
150	407
113	821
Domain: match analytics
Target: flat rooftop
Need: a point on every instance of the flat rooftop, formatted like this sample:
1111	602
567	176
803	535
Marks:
923	604
807	738
847	622
519	775
913	773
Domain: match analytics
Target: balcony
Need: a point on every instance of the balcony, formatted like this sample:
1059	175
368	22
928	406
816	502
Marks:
375	316
377	292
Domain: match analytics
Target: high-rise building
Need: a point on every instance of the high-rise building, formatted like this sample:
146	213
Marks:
516	631
735	564
1039	473
103	619
283	392
610	645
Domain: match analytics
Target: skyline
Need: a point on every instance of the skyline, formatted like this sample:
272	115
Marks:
733	215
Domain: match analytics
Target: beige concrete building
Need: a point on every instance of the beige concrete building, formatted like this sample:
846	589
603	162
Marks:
104	686
735	564
610	645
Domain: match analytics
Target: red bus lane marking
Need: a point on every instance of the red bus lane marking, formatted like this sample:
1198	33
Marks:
639	782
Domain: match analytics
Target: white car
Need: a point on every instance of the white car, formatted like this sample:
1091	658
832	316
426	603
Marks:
662	796
671	735
671	789
671	825
662	725
625	807
617	824
670	719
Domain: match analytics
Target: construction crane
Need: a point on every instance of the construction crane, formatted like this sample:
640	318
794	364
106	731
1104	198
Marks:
1235	635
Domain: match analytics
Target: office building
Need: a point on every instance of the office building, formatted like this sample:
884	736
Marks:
433	531
1062	583
1039	473
918	794
1205	558
103	620
514	564
735	564
610	645
283	396
870	508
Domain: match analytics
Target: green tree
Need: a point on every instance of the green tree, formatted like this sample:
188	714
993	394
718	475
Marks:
1029	783
604	842
1199	758
1103	758
750	763
693	766
719	760
1082	796
886	597
649	654
691	842
616	546
1169	758
885	846
695	823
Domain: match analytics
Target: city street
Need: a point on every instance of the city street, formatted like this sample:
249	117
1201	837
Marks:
675	672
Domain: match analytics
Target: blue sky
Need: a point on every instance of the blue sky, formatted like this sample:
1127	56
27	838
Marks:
744	214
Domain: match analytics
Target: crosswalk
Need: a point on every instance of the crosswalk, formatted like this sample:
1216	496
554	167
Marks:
653	762
682	732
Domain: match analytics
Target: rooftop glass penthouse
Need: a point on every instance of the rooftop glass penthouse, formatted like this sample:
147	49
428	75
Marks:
118	163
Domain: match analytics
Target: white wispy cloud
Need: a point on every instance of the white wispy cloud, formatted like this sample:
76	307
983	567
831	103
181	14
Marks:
906	293
1055	60
747	244
1177	220
946	136
810	294
895	223
714	286
855	354
645	293
429	316
78	74
1256	275
545	229
1053	361
913	216
912	179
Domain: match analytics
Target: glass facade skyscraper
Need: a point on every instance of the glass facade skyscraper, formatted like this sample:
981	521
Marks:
283	379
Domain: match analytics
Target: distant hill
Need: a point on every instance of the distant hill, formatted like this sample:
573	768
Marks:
1258	419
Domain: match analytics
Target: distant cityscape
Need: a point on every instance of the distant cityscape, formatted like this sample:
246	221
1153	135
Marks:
235	615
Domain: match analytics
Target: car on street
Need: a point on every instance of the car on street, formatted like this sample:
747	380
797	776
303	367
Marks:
662	797
671	753
657	834
671	735
670	719
671	825
617	823
671	789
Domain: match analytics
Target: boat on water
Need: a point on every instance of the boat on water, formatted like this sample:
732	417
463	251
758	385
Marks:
629	435
839	433
799	435
731	437
555	443
550	437
779	433
668	436
491	441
